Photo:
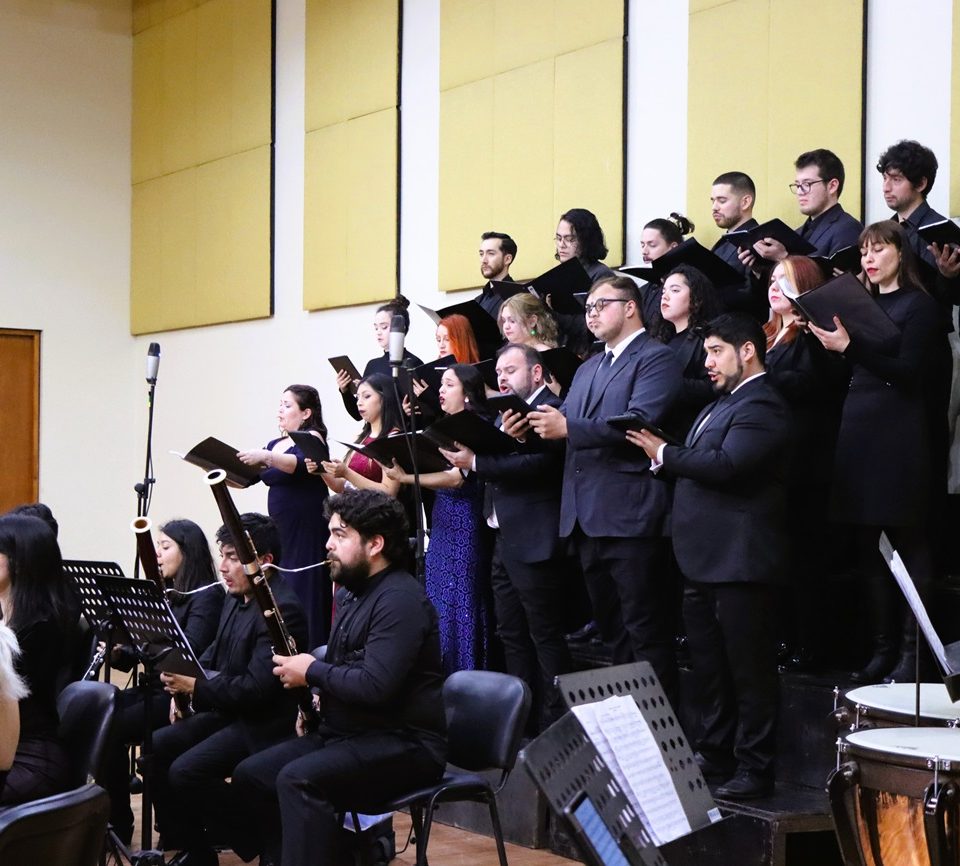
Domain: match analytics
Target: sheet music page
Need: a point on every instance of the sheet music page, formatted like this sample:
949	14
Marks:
634	756
902	576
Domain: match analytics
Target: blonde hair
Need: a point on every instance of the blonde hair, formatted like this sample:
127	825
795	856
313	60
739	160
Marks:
525	306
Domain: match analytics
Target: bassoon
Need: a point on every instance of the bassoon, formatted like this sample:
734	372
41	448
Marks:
280	637
151	571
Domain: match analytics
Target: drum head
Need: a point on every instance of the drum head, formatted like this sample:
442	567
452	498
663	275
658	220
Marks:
898	700
911	747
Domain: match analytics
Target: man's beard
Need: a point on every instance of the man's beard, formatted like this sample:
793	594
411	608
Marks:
730	382
352	576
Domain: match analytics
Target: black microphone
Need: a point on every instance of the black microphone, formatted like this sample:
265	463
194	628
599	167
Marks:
395	344
153	363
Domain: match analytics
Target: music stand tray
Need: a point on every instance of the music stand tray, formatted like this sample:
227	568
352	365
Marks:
579	785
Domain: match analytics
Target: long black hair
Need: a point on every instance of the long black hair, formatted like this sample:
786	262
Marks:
474	394
38	586
390	410
307	397
197	569
593	247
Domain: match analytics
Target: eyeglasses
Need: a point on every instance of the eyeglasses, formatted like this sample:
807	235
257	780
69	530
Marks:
566	240
803	187
598	305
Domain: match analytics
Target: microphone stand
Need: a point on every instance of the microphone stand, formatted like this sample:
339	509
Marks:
419	556
144	489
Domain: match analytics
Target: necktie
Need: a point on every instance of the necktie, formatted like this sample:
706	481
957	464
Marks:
602	375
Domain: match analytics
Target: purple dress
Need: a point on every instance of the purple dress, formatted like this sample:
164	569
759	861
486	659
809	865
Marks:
295	502
456	564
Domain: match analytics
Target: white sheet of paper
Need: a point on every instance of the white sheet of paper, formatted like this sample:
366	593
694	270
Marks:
627	745
902	576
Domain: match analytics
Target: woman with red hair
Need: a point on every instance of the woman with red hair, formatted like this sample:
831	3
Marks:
455	337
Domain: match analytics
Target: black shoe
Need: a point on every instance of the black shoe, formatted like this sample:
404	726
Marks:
583	635
713	771
874	672
745	785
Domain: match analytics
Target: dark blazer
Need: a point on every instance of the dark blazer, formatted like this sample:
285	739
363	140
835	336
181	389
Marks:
241	653
199	615
749	296
607	486
526	489
729	500
945	290
833	230
490	300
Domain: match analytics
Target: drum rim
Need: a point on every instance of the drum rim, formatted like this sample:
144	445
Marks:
869	743
930	693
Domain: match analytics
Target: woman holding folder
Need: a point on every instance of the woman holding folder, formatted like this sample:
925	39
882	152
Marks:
457	558
882	472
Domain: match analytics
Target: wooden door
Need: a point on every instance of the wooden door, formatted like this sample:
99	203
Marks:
19	417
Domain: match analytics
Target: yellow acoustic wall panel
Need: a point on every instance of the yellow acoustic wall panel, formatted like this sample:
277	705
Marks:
762	90
201	163
350	227
198	244
350	158
531	124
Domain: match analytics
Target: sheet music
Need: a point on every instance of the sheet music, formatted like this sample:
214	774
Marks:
902	576
623	739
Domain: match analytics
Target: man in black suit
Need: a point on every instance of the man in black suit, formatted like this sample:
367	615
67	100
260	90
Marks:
611	506
909	170
497	252
728	537
237	712
817	186
522	506
732	197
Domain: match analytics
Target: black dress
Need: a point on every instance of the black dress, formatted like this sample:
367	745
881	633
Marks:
41	767
883	467
295	503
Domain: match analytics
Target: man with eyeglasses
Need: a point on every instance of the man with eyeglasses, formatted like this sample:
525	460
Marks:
817	186
611	506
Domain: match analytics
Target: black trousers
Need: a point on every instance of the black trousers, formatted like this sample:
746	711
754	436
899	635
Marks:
309	779
629	589
730	632
529	607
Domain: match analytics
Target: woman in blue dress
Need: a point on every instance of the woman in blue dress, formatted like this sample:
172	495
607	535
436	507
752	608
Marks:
295	502
458	556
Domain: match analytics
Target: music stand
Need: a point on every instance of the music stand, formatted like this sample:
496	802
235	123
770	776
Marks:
141	608
947	655
580	786
95	608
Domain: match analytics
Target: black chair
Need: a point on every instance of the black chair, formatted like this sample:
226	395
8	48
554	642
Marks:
486	713
86	715
65	829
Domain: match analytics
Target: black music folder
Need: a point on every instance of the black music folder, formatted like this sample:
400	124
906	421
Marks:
942	232
506	289
636	421
430	373
776	229
470	429
848	299
641	272
566	284
846	259
397	447
311	446
488	369
341	363
211	453
692	253
509	402
561	363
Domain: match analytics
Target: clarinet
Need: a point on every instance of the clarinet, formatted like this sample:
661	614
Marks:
151	570
280	637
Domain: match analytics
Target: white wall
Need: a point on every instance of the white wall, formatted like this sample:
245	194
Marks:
65	252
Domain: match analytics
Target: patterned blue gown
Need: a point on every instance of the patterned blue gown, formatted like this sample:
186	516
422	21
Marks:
455	566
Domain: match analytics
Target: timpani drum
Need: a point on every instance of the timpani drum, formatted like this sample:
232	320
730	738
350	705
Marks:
892	706
895	797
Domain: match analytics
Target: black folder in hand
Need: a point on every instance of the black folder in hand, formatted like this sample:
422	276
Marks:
941	233
564	284
397	447
213	454
469	429
848	299
633	421
847	259
776	229
692	253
